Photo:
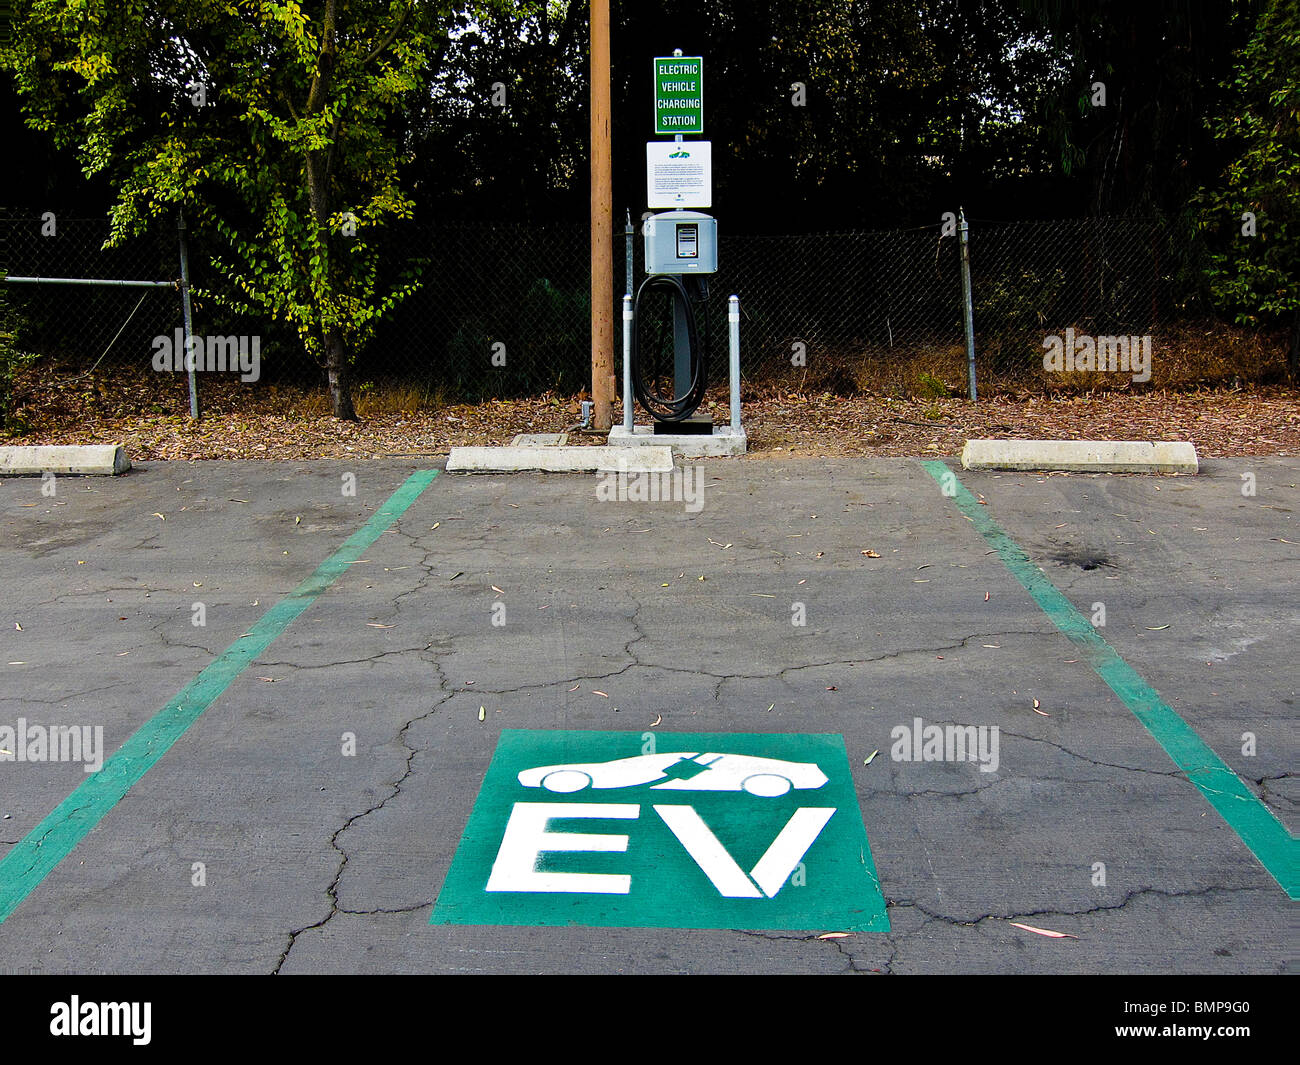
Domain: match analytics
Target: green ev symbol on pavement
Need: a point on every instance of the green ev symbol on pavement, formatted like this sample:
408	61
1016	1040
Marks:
732	830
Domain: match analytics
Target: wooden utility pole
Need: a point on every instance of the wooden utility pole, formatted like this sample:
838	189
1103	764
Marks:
602	224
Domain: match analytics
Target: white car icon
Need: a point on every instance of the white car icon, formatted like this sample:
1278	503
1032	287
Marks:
681	771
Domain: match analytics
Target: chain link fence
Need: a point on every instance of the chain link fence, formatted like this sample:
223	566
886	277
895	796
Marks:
503	308
83	326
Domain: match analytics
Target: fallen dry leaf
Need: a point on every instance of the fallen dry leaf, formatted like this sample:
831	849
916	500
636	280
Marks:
1044	931
291	423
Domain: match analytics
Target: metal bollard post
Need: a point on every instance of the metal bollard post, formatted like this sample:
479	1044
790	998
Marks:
733	324
627	364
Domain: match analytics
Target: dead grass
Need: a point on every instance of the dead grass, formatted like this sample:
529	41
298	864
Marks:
1184	356
860	403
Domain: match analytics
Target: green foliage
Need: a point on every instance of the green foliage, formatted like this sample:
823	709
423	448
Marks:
278	130
1017	302
12	360
548	332
930	386
1256	278
1159	64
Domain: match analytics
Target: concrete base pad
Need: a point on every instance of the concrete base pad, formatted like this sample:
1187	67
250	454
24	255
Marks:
540	440
1092	456
79	460
724	441
552	459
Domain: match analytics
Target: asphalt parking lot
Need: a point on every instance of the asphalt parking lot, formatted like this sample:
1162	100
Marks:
1064	702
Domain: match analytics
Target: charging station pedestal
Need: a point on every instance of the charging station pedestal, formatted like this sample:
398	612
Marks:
682	244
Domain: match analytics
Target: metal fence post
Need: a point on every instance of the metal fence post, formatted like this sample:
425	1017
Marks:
190	359
968	315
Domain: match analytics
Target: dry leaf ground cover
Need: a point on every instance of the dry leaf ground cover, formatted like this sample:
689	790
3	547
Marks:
148	413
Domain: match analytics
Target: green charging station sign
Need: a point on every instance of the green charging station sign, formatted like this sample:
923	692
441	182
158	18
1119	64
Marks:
679	94
666	830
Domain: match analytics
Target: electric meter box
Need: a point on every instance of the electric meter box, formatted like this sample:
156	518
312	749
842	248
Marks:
681	242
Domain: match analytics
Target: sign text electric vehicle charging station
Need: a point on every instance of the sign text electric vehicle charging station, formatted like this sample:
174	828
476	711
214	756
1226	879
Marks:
679	95
681	250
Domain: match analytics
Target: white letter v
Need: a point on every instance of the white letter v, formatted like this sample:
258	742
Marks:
772	870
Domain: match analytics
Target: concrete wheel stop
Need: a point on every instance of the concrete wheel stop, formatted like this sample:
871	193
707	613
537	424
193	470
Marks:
69	460
1083	456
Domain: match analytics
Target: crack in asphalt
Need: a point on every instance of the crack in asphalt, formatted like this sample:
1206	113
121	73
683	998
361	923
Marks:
723	678
1271	797
396	786
853	947
838	942
1129	896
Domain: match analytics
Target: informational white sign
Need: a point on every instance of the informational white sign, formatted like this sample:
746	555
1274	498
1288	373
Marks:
679	174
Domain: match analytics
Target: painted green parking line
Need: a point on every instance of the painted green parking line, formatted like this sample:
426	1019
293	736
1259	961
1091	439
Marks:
1268	839
34	857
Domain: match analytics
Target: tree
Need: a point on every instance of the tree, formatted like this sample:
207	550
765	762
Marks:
504	133
280	133
1255	273
1129	115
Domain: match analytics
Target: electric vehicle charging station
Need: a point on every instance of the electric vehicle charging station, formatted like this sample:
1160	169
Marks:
681	251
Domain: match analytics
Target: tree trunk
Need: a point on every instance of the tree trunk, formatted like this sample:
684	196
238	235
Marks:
340	378
318	191
1293	356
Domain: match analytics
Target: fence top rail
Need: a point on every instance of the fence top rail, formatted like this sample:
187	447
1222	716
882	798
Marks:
90	281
